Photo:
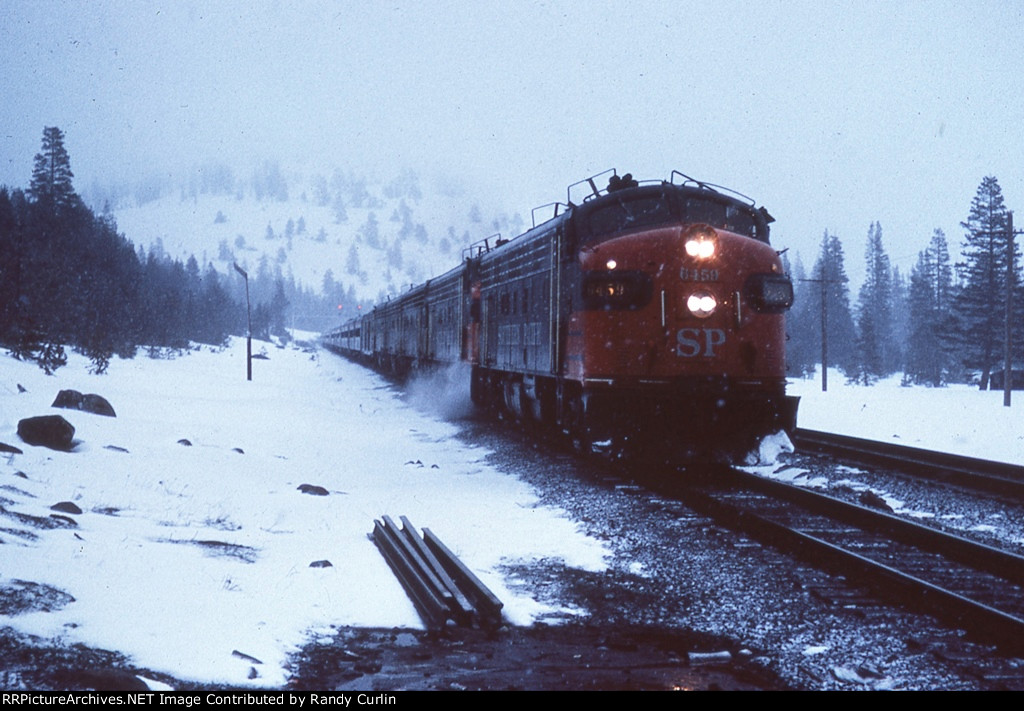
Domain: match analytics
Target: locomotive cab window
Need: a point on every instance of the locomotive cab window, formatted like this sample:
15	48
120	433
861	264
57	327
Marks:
734	218
641	211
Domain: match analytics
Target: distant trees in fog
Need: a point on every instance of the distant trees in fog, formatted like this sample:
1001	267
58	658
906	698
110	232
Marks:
68	278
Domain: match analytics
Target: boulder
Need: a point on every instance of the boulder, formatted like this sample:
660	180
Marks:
90	402
51	431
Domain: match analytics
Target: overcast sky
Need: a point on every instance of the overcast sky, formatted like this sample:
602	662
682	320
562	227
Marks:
832	115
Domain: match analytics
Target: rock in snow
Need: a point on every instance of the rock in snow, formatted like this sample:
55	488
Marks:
51	431
90	402
9	449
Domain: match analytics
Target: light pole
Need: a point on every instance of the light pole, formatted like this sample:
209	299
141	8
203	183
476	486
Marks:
248	311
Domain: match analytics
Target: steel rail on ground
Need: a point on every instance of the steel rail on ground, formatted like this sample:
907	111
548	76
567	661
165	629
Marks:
978	474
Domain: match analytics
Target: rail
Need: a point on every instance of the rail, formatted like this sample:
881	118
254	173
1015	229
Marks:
444	591
978	474
971	585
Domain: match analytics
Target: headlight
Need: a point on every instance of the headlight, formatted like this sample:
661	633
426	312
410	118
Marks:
701	304
700	247
700	242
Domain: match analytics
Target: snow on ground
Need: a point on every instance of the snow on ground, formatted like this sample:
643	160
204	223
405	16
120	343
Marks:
187	554
959	419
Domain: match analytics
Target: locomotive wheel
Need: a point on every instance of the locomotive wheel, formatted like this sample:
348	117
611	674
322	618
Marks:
512	395
579	434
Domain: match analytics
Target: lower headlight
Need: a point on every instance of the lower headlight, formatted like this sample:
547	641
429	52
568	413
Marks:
701	304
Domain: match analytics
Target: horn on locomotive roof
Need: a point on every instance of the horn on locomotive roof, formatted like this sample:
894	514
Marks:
617	183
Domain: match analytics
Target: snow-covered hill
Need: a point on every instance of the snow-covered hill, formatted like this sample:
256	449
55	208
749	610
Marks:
377	236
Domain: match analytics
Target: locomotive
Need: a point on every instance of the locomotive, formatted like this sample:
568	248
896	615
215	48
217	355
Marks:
645	318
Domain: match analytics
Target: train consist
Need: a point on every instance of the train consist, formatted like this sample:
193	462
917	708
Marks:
643	318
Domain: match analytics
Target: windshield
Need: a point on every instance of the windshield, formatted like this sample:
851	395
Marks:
734	218
629	214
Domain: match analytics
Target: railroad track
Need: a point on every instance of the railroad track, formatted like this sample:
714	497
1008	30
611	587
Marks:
968	472
969	585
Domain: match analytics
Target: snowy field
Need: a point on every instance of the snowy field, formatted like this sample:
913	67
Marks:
186	558
960	419
186	554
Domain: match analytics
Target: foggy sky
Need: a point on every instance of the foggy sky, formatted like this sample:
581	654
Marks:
833	115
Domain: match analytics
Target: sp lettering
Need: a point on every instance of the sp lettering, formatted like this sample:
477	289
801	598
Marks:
698	342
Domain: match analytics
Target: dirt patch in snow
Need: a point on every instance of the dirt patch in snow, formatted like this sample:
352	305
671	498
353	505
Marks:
572	657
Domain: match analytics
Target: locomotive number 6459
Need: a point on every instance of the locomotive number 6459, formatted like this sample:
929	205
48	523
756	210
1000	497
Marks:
640	316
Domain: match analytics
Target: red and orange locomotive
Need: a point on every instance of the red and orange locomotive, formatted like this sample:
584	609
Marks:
649	316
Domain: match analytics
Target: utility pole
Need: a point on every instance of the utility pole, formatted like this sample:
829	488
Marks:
248	310
824	325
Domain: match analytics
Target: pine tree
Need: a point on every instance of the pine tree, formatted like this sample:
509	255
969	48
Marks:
279	311
803	324
370	231
900	318
830	270
928	358
68	278
10	265
875	356
51	174
352	261
979	307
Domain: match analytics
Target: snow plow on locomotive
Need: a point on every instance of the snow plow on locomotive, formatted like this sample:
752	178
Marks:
644	317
